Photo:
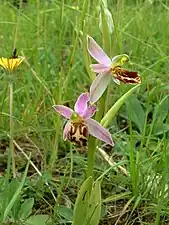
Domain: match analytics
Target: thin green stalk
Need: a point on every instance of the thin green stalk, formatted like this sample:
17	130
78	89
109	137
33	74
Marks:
71	166
163	188
92	141
58	95
87	59
101	107
115	37
38	22
8	164
60	190
113	51
107	47
38	37
84	11
133	166
54	154
91	156
17	24
12	153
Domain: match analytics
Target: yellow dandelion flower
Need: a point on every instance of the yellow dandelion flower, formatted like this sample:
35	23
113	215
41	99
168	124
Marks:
11	63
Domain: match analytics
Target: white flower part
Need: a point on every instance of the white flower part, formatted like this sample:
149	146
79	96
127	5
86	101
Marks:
116	81
98	86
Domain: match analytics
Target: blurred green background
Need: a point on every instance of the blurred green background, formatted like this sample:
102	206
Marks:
49	34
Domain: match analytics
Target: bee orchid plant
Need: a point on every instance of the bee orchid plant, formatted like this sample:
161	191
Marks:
80	124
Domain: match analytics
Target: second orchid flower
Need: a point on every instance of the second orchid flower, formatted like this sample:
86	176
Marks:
108	69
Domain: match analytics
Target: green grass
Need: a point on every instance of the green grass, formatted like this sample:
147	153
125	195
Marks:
49	35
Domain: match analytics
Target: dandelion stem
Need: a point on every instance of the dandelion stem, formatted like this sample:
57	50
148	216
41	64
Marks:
12	153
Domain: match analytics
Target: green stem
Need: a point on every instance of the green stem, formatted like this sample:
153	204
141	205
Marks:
115	37
92	140
113	51
38	22
101	106
58	94
54	154
17	25
91	156
79	28
12	153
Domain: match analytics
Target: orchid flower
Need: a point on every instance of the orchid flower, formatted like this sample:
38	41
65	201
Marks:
107	69
11	63
80	124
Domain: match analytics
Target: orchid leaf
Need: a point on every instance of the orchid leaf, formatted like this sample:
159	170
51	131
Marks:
82	201
94	207
115	108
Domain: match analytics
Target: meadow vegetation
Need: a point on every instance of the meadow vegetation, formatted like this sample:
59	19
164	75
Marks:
134	174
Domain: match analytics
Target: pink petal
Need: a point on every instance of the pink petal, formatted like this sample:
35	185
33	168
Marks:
100	68
63	110
98	86
97	52
96	130
90	111
66	130
81	104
